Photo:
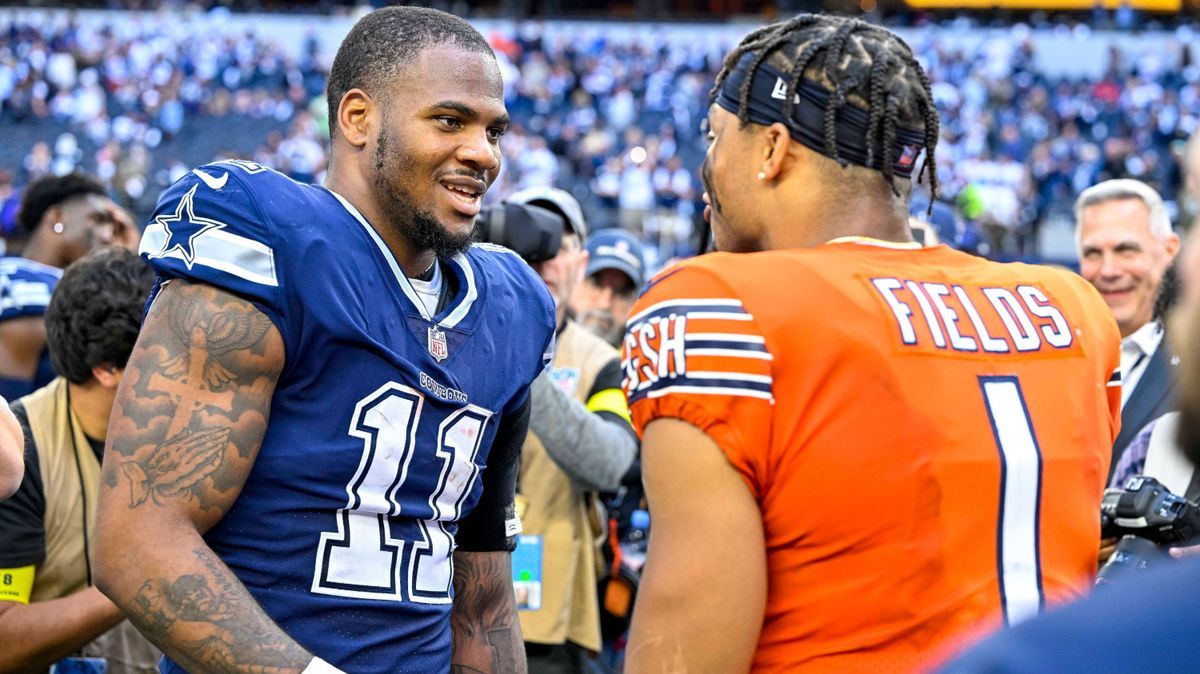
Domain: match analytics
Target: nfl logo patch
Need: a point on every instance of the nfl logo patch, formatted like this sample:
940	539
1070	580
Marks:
437	344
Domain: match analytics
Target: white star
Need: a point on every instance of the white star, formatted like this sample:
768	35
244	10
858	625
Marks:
185	220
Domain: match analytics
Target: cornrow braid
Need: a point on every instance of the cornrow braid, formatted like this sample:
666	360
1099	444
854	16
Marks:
932	132
859	64
879	70
891	112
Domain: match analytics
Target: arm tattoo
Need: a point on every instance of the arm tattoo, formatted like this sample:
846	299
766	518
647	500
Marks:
186	427
486	632
228	632
200	399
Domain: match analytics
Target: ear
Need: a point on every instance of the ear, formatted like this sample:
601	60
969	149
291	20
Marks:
776	144
583	261
107	374
1171	245
354	117
51	216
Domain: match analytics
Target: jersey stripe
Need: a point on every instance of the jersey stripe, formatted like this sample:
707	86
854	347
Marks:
706	390
674	306
732	353
225	251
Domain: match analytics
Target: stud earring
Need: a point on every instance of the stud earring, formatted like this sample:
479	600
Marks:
58	228
762	175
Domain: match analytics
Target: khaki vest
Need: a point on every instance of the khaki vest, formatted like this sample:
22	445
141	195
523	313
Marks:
69	501
563	515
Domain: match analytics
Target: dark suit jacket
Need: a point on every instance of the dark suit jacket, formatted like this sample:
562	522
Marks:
1152	398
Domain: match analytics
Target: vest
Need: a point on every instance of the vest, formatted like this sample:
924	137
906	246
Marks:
71	482
563	514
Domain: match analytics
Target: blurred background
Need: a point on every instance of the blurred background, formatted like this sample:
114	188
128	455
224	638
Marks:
1038	100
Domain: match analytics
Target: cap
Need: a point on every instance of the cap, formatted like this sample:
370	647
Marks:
559	201
617	249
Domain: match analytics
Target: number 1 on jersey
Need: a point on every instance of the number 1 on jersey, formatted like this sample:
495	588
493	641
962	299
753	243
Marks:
1018	555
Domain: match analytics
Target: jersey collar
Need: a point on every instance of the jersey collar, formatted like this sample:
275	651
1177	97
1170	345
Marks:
457	309
871	241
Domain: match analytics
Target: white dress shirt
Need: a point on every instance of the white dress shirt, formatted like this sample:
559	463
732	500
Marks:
1136	352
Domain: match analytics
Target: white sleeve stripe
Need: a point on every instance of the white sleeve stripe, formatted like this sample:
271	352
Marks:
725	337
219	249
733	353
718	315
710	390
714	303
732	376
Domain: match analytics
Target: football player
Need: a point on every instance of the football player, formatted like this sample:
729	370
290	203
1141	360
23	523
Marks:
60	219
313	453
859	452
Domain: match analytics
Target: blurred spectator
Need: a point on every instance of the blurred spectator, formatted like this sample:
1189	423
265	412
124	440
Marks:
1017	144
580	443
50	610
1125	247
59	221
616	272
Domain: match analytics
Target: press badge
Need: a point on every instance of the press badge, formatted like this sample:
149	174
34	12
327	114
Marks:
80	666
527	573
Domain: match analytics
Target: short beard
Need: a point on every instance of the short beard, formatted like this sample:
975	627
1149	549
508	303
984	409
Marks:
420	228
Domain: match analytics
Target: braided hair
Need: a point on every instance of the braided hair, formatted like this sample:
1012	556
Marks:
859	64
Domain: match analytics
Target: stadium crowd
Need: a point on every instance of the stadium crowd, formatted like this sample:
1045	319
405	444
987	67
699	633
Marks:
183	420
612	120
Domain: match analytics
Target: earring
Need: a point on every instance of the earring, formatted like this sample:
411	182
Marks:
762	175
58	228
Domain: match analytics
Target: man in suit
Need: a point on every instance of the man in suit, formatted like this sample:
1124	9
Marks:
1126	246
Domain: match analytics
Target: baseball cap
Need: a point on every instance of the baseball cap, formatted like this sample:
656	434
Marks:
620	250
554	199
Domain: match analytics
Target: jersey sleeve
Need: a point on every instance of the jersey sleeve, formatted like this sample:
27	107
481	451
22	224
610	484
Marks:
208	228
25	287
692	351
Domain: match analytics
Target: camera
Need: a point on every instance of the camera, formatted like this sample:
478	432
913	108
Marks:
533	232
1149	519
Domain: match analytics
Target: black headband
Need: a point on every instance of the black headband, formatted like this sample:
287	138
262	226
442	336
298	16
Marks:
767	101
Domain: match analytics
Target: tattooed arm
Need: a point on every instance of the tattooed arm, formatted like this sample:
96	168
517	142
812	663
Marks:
483	622
186	427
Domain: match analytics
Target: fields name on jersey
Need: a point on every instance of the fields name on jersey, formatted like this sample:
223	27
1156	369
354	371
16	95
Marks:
1016	319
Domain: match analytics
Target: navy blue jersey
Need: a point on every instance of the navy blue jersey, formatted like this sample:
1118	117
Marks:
25	290
383	416
1144	623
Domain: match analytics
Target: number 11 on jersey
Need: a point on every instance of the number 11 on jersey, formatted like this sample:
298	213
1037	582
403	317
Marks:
362	559
1018	555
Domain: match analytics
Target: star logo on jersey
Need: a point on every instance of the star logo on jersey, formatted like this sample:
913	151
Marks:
183	228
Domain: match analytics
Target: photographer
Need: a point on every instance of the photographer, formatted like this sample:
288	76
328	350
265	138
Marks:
580	443
49	607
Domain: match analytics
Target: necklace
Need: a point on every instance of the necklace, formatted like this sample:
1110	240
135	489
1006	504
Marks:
427	275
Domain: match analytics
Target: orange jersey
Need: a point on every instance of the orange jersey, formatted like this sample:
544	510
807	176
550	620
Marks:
926	433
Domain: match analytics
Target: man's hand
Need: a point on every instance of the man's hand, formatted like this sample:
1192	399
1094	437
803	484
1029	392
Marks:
119	230
1107	547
